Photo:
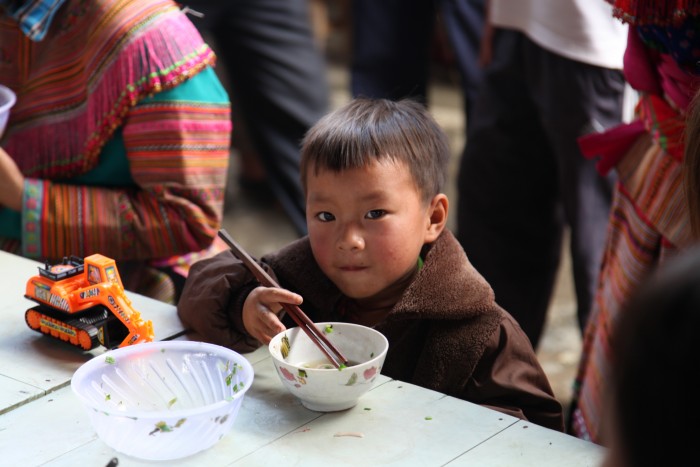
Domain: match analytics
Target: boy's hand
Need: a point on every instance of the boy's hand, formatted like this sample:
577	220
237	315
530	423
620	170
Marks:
261	310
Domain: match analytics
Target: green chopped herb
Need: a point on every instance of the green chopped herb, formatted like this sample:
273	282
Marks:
238	386
371	355
328	329
109	360
234	370
367	408
302	373
342	366
428	418
163	427
172	402
108	397
352	380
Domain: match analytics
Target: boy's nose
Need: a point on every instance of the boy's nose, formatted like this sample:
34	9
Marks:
350	238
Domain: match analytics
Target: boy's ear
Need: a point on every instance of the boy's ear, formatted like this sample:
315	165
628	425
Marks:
437	217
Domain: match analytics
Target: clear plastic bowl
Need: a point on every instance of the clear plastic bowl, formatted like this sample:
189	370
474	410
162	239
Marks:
163	400
7	100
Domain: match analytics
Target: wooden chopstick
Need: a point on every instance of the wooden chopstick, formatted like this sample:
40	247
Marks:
299	317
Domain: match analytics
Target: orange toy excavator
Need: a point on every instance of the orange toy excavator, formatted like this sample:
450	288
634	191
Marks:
83	302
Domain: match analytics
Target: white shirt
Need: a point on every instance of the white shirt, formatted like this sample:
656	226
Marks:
582	30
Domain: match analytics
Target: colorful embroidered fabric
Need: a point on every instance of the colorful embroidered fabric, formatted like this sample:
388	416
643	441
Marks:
648	224
654	116
125	85
649	219
75	90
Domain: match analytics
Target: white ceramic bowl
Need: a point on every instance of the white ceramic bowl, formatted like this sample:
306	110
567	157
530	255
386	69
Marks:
7	100
307	373
163	400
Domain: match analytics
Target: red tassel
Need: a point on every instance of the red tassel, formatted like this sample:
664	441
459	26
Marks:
654	12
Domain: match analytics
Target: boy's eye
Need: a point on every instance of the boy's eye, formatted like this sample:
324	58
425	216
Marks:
375	214
325	216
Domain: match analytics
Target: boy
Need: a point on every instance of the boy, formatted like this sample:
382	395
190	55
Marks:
378	254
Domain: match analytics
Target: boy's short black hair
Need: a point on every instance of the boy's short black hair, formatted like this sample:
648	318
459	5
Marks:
366	130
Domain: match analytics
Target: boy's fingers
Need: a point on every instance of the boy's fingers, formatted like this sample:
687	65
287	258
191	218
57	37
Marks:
272	323
274	294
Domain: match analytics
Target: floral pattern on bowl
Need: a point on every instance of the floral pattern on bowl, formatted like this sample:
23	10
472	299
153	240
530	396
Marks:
369	375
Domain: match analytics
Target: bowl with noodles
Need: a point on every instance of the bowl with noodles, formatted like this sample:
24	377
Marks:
307	373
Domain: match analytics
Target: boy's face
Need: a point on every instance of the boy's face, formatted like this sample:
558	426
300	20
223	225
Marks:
367	226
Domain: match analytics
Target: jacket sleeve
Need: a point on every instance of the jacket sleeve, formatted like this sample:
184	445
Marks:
211	303
509	378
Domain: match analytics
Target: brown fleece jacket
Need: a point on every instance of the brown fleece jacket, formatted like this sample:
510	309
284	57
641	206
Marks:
446	333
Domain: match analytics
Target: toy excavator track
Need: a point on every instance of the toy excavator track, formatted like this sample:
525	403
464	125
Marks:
77	331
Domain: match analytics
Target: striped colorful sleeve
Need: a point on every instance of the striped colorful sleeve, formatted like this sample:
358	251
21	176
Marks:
177	148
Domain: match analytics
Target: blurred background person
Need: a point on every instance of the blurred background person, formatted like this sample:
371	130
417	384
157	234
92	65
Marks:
552	73
276	75
394	43
649	218
118	143
651	398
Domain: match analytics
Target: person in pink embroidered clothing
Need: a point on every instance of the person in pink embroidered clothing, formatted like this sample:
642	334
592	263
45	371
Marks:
119	141
649	221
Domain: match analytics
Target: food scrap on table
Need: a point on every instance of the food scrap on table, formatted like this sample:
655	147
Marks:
354	434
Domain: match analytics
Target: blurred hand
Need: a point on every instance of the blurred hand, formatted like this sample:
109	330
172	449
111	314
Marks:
261	311
11	182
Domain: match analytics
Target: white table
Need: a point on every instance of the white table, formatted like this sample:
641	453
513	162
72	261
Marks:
43	423
31	364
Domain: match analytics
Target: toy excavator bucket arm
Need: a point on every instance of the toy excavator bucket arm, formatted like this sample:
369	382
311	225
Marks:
120	305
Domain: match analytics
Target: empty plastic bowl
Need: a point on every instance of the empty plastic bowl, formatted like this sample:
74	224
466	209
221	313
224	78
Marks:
7	100
163	400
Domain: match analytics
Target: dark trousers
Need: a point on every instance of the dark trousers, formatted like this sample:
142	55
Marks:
522	178
392	43
277	78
